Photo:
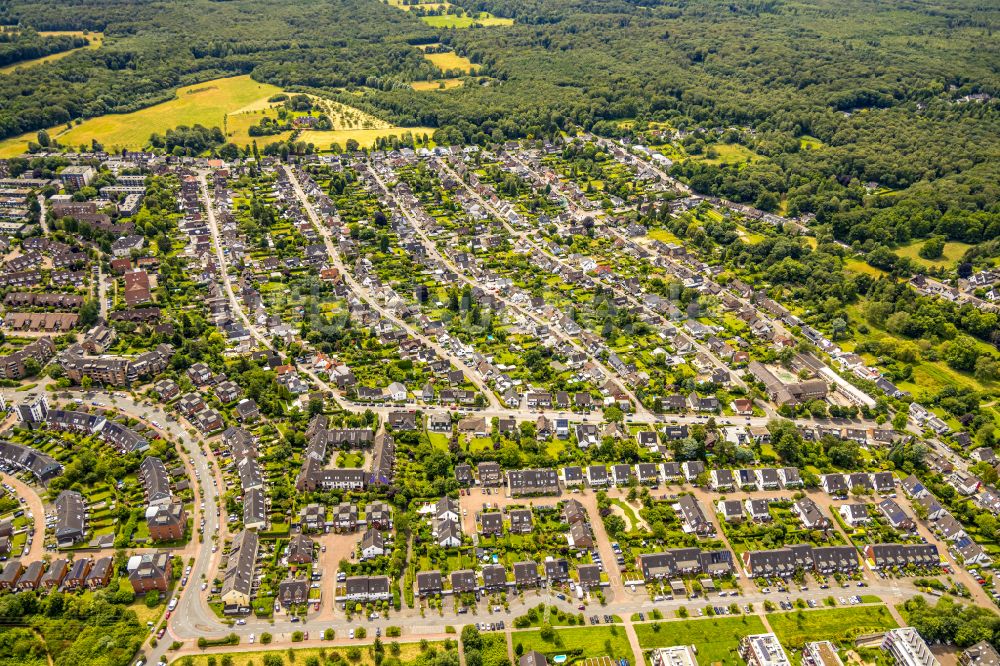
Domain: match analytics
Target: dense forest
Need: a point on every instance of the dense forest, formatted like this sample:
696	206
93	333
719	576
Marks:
884	88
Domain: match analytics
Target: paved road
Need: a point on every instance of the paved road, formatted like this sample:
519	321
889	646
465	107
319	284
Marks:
234	302
33	504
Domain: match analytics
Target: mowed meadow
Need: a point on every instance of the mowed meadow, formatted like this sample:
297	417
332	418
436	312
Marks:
96	40
232	104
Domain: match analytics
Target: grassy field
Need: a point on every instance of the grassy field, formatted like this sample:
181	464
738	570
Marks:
861	266
716	639
236	103
96	41
593	641
407	652
953	251
730	153
810	143
452	21
663	235
451	61
364	137
836	624
343	117
436	84
203	103
929	377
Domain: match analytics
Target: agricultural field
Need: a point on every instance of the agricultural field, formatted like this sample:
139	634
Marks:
839	625
860	266
444	20
96	41
234	104
452	21
716	639
437	84
203	103
451	61
365	137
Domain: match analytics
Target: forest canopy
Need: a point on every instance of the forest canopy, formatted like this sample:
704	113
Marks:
884	88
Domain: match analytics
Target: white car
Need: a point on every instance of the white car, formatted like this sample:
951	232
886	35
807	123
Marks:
251	638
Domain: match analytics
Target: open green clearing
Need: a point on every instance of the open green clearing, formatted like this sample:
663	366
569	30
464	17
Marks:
591	641
728	153
453	21
203	103
839	625
445	20
810	143
96	41
860	266
235	103
663	235
716	639
437	84
953	251
451	61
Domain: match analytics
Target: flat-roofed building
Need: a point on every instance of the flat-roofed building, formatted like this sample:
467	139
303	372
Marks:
907	647
763	650
676	655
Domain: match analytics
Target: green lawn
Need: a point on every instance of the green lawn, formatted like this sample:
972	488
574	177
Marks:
953	251
835	624
861	266
716	639
663	235
438	440
592	641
